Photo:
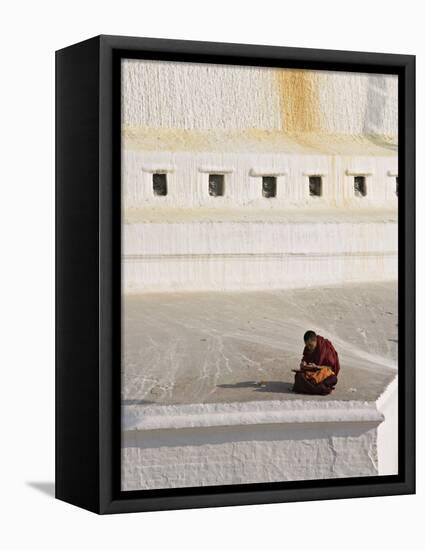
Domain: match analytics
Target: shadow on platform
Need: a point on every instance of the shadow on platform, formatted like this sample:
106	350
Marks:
265	387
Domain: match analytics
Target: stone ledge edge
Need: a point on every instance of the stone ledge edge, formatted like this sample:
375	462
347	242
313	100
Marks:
163	417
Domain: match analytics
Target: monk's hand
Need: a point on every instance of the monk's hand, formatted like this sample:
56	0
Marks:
313	367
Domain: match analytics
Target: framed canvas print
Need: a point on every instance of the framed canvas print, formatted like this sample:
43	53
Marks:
235	274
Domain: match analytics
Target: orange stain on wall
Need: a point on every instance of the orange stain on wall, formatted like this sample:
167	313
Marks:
299	100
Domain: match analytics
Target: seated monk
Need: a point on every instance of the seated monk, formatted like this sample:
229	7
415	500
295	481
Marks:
319	366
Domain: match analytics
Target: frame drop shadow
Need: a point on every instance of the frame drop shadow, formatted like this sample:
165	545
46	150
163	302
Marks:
46	487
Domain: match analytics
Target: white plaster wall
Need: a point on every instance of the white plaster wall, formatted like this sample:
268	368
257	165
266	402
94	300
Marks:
353	103
247	454
189	120
187	177
226	256
198	96
255	272
157	239
206	96
387	404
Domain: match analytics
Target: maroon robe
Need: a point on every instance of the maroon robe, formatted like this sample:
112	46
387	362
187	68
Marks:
323	355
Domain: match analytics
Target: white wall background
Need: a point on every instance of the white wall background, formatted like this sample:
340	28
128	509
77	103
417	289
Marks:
30	32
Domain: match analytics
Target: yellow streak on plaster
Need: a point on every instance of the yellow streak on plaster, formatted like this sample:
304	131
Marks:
299	100
252	141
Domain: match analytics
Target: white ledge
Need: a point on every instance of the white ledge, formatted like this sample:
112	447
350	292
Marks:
267	173
358	173
162	417
161	169
215	170
318	173
392	174
256	255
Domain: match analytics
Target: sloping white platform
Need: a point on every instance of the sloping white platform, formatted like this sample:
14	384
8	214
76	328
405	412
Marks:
194	414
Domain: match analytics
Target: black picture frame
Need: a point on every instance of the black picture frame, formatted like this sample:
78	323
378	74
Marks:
88	271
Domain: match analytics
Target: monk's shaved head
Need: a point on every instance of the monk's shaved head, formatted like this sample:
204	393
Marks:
310	339
309	335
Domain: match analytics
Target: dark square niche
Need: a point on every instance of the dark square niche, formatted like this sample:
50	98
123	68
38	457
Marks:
315	186
269	186
360	186
159	182
216	185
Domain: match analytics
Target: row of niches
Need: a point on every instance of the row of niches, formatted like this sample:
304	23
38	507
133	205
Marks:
217	185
